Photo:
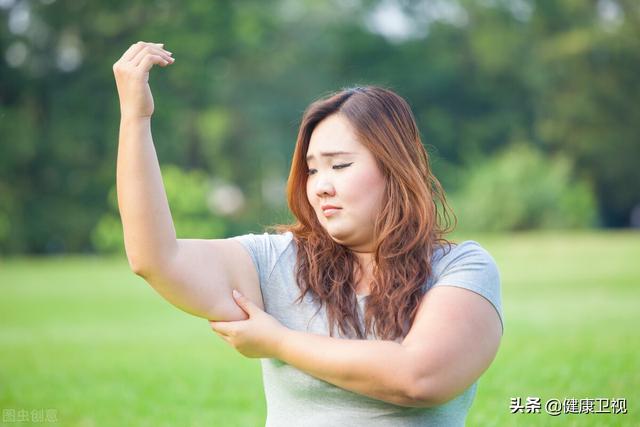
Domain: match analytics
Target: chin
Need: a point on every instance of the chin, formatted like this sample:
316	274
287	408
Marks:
337	233
339	236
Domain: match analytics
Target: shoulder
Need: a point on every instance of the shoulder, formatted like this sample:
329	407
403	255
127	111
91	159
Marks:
466	256
461	311
266	250
468	265
265	242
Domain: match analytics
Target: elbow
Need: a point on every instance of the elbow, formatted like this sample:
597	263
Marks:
134	261
145	268
144	262
137	268
145	271
422	393
139	272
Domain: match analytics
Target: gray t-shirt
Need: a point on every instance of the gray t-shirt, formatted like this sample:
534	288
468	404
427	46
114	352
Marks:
295	398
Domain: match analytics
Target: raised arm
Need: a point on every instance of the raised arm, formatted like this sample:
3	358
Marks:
149	234
195	275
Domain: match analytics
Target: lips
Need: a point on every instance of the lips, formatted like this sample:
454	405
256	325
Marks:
325	207
329	210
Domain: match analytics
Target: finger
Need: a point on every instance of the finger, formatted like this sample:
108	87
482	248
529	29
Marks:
244	302
133	50
151	60
224	337
150	50
222	327
137	47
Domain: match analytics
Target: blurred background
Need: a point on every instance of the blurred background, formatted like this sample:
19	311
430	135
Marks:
529	110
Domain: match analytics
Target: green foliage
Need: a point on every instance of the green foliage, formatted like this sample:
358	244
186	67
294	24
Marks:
187	193
107	236
520	189
562	74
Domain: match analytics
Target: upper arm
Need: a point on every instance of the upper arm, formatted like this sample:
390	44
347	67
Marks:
200	276
452	341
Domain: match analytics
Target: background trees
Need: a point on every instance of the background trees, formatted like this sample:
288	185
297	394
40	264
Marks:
559	77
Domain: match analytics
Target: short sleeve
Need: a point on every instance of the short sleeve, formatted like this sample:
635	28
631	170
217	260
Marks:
264	250
471	267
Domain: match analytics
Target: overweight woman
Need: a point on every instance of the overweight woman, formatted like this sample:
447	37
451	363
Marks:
361	311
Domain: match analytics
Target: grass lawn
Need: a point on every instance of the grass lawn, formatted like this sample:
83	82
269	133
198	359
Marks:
86	342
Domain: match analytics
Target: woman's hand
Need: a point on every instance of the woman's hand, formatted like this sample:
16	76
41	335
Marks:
257	337
132	77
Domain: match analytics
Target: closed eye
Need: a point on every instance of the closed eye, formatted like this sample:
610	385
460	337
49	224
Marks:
342	166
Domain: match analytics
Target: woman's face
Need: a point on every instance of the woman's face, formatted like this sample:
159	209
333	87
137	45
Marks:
345	186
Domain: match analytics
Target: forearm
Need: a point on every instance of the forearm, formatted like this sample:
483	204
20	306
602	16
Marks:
377	369
149	234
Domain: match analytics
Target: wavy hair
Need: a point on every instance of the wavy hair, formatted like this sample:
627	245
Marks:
413	220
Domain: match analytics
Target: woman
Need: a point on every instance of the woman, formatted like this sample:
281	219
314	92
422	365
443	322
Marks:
361	311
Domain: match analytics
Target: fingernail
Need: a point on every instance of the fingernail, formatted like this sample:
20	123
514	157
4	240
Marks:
236	294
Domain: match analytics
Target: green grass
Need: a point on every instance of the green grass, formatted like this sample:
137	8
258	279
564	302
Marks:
572	310
86	337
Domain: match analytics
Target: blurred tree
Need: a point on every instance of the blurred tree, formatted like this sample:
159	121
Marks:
590	61
480	75
520	189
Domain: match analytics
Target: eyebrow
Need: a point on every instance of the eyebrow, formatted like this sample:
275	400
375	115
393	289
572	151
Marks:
328	154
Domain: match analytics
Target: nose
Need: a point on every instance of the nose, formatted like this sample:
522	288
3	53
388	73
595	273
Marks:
324	187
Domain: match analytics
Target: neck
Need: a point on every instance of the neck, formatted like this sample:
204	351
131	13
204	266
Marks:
365	259
365	272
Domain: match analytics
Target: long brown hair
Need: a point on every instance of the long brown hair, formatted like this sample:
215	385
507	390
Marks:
408	227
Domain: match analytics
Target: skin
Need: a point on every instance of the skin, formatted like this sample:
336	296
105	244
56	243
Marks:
132	78
195	275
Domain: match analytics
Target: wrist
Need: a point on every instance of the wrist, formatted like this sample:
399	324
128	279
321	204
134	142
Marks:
285	335
134	118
